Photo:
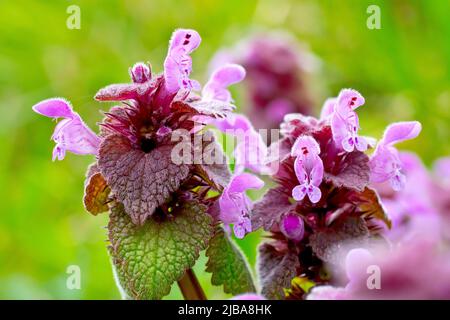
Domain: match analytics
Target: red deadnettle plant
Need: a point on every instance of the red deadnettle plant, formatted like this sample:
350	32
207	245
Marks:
323	202
163	208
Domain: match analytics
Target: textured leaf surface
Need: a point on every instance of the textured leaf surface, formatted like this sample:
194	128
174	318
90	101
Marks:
96	194
353	171
350	232
228	265
215	162
141	181
213	108
270	208
149	258
276	270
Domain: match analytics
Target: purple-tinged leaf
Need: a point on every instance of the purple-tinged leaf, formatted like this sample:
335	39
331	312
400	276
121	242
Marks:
276	271
141	181
269	210
352	171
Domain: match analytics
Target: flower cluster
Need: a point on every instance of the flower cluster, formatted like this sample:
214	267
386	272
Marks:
324	201
167	198
134	147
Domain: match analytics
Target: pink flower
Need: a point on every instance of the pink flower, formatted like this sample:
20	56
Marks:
345	121
385	163
412	210
71	134
308	169
234	204
251	151
178	63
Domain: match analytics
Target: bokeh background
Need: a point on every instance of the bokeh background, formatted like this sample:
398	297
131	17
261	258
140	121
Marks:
403	70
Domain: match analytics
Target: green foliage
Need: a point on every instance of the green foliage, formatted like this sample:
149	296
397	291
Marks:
228	265
148	259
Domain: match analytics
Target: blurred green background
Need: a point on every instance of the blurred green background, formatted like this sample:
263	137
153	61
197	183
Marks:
403	70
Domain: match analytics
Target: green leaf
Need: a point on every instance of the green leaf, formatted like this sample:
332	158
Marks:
228	265
148	259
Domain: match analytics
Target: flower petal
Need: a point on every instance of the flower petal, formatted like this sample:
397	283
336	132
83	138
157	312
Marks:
216	87
316	174
54	108
75	136
245	181
314	194
361	143
178	63
328	108
401	131
398	181
347	101
299	193
233	123
305	146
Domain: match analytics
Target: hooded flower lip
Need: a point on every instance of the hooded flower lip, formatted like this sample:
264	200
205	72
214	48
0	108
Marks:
178	63
234	204
385	163
308	168
71	133
217	86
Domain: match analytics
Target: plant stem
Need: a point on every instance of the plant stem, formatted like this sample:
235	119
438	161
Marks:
190	287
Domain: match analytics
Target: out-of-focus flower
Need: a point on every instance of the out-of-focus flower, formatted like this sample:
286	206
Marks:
71	134
234	204
384	273
251	151
412	210
385	163
276	77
